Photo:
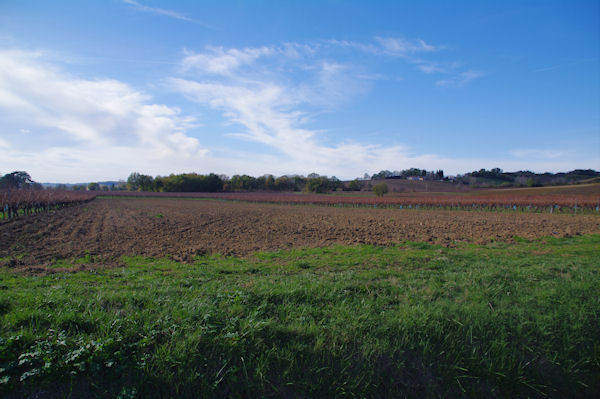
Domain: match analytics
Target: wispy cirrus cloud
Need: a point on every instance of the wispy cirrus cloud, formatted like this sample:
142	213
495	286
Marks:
431	68
164	12
567	64
417	52
459	80
156	10
390	46
400	46
220	61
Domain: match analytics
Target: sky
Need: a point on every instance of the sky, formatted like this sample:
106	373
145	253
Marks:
96	90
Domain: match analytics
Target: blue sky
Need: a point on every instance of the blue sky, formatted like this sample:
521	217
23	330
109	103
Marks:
94	90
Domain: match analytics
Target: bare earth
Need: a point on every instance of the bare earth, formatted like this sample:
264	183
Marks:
110	228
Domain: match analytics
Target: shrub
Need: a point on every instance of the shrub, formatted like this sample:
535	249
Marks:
380	189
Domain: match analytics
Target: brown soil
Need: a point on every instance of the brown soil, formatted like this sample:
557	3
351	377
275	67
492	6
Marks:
110	228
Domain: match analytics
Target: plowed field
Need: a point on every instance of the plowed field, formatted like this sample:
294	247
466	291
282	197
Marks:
110	228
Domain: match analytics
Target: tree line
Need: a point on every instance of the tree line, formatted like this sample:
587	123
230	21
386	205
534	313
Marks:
193	182
314	183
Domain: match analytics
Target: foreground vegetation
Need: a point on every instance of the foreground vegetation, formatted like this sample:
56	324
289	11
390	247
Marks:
412	320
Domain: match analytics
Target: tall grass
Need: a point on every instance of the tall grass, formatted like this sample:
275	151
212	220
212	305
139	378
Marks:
414	320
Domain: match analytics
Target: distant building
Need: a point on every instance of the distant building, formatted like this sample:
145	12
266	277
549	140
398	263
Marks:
415	178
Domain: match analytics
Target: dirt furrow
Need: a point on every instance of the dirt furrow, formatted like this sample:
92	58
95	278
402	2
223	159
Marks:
110	228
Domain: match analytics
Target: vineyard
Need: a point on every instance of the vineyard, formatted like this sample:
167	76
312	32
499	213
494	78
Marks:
482	200
17	202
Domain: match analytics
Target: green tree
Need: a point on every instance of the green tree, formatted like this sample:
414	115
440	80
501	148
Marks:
269	182
139	182
146	183
192	182
380	189
317	184
132	181
93	187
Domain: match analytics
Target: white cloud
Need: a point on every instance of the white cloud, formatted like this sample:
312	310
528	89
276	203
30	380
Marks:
390	46
399	46
101	113
272	116
223	62
431	68
363	47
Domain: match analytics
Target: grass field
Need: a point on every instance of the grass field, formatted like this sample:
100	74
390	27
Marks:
414	320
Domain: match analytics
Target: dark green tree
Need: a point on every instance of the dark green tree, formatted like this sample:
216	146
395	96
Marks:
17	179
355	185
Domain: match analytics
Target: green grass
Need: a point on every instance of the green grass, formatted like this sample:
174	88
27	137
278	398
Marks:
415	320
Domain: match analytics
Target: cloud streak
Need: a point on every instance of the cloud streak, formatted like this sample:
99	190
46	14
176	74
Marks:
164	12
219	61
400	47
460	80
158	11
413	52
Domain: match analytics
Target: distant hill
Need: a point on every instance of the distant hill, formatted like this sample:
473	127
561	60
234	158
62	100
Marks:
419	180
497	178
